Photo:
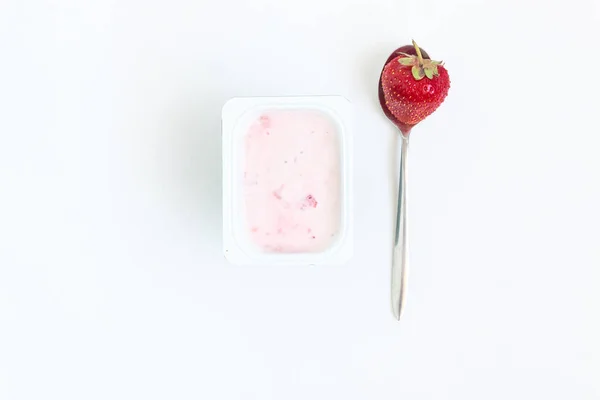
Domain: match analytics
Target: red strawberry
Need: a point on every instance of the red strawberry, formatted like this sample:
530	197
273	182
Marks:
413	86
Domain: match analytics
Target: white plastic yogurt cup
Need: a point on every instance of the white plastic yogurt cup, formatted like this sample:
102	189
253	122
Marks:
287	180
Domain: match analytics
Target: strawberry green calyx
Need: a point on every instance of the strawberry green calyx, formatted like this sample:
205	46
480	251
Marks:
421	67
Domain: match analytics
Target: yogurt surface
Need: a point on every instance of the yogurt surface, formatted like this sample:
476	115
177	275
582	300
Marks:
292	181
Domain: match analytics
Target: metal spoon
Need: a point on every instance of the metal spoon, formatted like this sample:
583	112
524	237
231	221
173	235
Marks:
399	257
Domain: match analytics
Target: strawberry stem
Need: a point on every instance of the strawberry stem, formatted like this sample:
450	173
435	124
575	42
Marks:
419	55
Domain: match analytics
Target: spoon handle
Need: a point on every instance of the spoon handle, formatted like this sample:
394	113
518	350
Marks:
399	259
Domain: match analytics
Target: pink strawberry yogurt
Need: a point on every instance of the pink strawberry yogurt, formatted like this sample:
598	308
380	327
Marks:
292	185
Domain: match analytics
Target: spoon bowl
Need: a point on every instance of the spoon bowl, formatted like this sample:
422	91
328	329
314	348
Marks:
408	49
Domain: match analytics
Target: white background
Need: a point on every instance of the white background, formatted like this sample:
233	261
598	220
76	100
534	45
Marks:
112	280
